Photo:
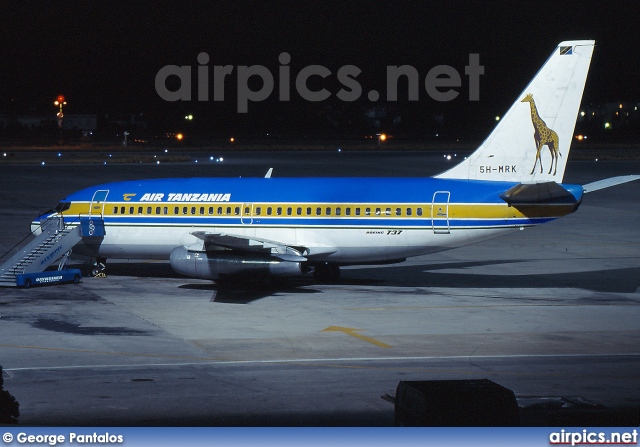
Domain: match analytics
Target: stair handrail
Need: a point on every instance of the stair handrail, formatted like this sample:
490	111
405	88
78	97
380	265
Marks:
12	251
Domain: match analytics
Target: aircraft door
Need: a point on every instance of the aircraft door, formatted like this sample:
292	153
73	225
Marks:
246	217
440	212
97	202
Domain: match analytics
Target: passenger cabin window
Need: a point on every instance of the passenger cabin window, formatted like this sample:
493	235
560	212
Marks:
338	211
408	211
269	211
236	211
193	210
176	210
139	210
131	210
328	211
158	209
279	211
419	211
367	211
115	210
201	210
348	211
289	211
308	211
210	210
318	211
165	210
357	211
185	210
299	211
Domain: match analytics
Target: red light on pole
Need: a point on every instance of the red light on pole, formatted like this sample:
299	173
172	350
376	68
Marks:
60	102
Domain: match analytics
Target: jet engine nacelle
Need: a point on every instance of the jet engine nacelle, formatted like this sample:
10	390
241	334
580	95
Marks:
203	265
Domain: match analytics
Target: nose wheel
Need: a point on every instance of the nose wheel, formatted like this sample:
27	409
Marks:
99	269
326	272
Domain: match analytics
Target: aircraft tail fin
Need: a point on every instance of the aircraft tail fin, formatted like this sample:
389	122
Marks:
531	142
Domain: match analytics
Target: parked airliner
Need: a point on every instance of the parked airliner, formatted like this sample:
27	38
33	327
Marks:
214	228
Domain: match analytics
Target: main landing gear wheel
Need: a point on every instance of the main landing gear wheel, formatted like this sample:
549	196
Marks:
326	272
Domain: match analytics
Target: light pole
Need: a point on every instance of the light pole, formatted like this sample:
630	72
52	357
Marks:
60	102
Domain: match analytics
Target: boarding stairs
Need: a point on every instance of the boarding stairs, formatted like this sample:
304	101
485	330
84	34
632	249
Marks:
54	243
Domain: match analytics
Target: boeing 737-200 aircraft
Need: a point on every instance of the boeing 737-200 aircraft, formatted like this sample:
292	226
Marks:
213	228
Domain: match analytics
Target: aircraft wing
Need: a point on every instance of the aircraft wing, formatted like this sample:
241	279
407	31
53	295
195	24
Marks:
251	244
608	182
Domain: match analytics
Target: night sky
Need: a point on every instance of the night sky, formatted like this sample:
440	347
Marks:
104	56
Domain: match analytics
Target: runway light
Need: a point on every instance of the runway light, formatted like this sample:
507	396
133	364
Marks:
448	157
59	154
158	162
383	137
211	158
179	136
165	151
42	163
497	118
607	125
232	139
221	159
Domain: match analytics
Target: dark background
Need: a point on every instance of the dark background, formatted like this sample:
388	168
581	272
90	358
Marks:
104	56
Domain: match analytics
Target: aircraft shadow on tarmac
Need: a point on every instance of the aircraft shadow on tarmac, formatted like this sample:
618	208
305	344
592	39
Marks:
440	275
625	280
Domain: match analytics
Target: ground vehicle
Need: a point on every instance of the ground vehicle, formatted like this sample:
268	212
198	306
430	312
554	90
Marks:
49	277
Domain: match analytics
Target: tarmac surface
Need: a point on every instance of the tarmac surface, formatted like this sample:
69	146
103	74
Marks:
552	313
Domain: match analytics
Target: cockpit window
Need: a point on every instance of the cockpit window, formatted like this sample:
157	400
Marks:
63	206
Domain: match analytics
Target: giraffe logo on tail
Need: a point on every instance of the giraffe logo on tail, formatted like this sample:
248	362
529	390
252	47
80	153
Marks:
543	136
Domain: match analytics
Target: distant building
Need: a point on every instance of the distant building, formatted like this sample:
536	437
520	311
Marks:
610	114
84	123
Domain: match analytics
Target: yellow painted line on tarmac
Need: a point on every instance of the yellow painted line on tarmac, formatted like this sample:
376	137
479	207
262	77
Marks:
353	332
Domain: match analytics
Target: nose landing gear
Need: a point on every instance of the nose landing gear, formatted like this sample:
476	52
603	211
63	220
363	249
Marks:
99	269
